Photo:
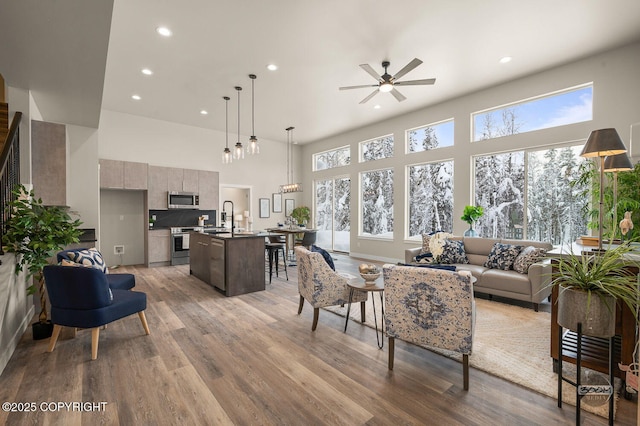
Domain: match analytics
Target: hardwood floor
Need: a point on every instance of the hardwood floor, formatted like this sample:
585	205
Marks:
251	359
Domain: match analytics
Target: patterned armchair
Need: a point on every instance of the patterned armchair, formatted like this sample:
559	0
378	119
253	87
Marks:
430	307
322	286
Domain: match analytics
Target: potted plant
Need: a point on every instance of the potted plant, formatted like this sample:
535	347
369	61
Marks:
301	214
589	286
34	232
470	215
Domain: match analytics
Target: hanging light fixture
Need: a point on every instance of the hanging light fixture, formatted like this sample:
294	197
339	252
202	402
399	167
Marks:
238	151
290	186
253	147
226	154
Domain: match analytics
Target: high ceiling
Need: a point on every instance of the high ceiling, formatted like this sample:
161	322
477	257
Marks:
317	46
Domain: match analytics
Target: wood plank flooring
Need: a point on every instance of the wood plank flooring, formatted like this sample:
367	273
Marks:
251	359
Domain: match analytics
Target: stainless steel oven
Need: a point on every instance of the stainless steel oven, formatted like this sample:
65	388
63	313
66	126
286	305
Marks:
180	245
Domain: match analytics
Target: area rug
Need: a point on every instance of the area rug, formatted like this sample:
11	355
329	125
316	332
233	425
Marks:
511	342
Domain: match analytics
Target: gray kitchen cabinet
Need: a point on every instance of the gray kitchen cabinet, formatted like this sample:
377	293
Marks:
135	175
111	174
190	180
49	162
208	188
158	187
116	174
175	179
159	247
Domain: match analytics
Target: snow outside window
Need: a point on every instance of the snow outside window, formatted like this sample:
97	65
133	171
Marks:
432	136
377	203
334	158
376	149
430	189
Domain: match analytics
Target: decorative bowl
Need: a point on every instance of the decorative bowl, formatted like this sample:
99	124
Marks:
370	278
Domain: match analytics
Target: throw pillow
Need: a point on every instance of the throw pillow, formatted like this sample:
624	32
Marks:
89	257
502	256
425	244
527	257
453	252
325	254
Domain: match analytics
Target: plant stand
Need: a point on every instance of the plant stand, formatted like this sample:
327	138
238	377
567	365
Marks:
583	390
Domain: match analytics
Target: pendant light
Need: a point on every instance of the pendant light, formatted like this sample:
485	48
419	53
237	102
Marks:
226	154
253	147
290	186
238	151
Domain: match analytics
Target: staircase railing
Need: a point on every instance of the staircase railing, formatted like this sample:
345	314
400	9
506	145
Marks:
9	171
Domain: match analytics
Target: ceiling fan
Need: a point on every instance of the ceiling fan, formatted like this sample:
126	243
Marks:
387	83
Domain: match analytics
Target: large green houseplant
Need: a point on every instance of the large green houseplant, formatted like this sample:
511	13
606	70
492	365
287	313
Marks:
590	284
35	232
301	214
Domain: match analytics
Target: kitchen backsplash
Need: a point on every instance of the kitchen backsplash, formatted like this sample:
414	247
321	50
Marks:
169	218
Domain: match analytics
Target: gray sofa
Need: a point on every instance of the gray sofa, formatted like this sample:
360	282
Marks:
531	287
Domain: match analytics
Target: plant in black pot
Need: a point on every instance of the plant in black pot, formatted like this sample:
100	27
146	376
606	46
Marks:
589	285
35	232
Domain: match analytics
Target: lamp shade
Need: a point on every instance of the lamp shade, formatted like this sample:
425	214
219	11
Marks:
239	218
617	163
603	142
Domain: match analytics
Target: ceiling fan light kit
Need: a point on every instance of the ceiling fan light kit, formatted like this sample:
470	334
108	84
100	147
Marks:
386	82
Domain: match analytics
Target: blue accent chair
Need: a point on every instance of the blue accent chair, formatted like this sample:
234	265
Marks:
81	298
116	281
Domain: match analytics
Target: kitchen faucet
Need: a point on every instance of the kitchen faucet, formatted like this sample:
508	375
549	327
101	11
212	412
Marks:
232	217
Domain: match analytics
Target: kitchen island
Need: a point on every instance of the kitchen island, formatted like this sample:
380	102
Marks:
233	264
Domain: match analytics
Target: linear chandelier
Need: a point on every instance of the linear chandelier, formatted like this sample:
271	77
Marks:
290	186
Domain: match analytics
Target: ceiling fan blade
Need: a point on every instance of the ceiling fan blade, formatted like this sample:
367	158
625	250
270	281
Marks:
375	92
357	87
411	65
371	71
415	82
399	96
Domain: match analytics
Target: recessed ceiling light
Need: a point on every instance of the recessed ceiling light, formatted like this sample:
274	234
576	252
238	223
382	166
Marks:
505	59
136	97
164	31
377	107
147	71
203	112
272	67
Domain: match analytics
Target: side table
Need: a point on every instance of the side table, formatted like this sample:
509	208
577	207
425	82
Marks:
374	288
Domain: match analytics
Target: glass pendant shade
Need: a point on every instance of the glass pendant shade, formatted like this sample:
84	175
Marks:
253	147
226	156
226	153
238	151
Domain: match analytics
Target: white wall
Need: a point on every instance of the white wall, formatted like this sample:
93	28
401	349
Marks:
616	80
123	220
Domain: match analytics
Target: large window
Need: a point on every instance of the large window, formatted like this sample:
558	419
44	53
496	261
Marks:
432	136
553	207
376	189
430	189
552	110
375	149
334	158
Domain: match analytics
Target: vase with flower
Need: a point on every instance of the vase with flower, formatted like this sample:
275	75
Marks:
470	215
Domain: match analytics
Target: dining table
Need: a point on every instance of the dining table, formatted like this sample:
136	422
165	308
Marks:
290	235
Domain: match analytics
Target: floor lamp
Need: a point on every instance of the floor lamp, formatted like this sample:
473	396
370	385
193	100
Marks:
614	164
602	143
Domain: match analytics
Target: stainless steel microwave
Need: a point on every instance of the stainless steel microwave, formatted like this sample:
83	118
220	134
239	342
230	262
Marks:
183	200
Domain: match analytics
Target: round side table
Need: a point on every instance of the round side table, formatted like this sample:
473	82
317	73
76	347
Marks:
373	288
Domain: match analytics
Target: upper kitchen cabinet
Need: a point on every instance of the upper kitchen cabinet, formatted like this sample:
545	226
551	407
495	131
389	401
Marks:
208	188
183	180
49	162
115	174
158	187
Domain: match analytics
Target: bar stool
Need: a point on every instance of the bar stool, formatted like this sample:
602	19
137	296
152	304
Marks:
273	246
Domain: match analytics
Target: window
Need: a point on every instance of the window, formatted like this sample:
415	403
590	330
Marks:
375	149
376	189
334	158
430	189
552	110
432	136
333	213
553	206
499	189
